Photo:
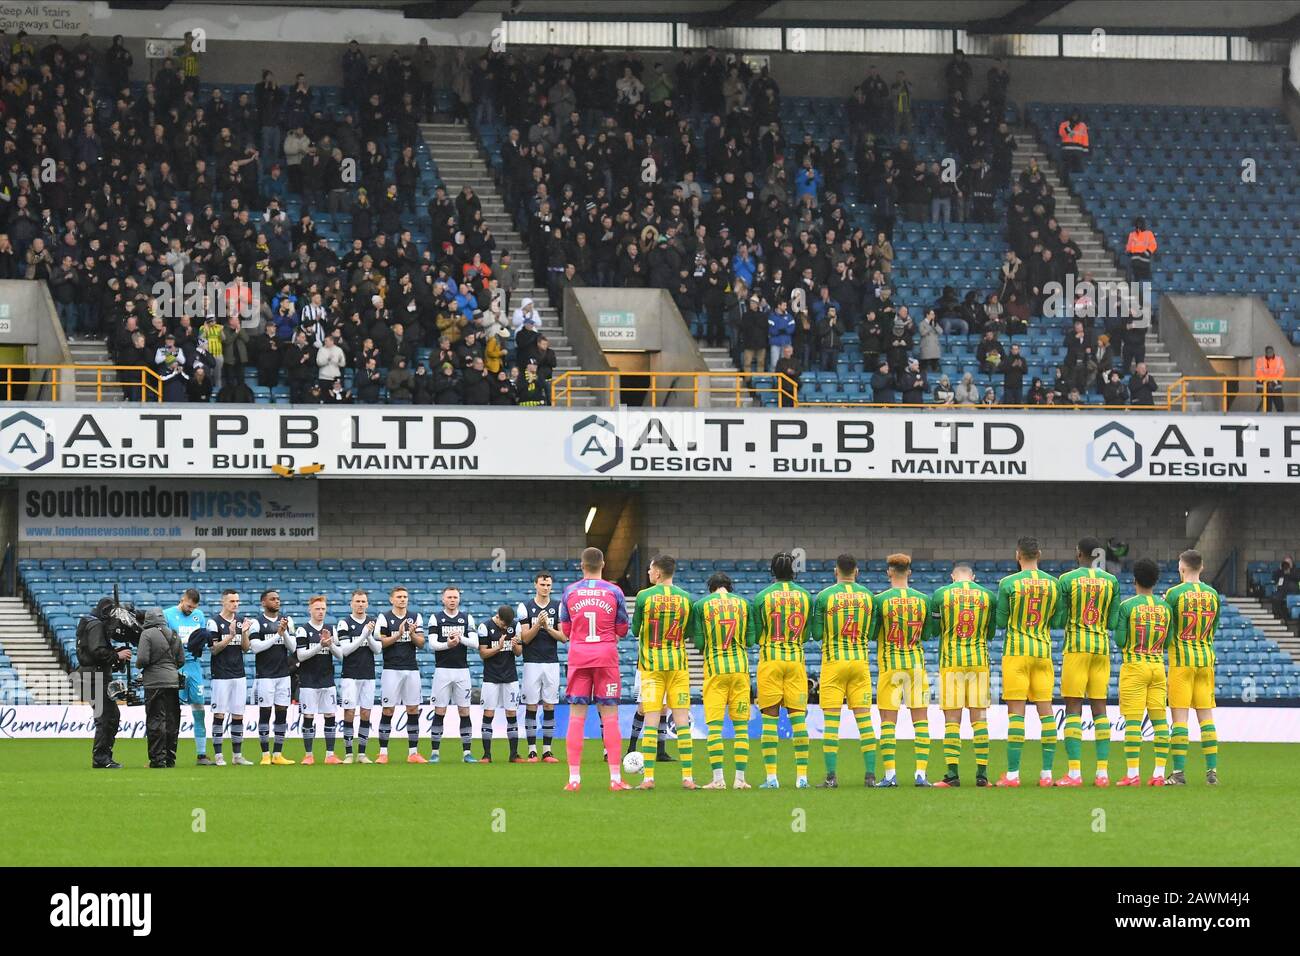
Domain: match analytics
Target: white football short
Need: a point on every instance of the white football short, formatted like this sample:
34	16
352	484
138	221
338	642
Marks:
317	700
357	693
230	696
541	683
400	688
271	691
501	696
451	687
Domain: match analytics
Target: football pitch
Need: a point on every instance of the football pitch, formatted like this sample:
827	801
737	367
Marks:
54	810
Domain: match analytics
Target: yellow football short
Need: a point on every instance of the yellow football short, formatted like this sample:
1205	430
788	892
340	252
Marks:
1085	676
903	688
963	687
1027	678
784	683
727	694
1142	689
845	682
665	688
1191	687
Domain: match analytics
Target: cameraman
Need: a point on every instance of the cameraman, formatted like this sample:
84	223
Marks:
159	658
98	659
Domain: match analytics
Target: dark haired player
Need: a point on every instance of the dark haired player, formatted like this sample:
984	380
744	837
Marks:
400	633
779	615
271	646
499	645
538	623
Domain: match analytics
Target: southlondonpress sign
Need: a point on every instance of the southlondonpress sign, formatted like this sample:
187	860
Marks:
408	442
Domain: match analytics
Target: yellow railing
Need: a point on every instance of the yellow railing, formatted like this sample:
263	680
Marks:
738	389
697	389
133	382
1224	390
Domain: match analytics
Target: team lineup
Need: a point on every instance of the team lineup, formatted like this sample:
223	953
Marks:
1165	644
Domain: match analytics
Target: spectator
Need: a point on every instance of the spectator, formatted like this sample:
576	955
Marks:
944	394
338	395
883	386
1142	386
989	353
447	386
530	392
1115	392
199	386
931	341
990	398
901	98
331	361
912	383
1013	377
967	392
503	389
1038	392
234	351
1286	583
401	382
1105	361
871	340
780	332
1269	372
754	337
829	336
169	363
787	365
300	367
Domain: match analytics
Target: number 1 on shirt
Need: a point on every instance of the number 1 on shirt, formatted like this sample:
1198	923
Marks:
592	636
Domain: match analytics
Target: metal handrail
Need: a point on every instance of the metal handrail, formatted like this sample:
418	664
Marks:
147	383
736	389
1194	387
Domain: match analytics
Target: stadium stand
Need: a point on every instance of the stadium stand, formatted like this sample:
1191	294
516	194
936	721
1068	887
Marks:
62	589
728	154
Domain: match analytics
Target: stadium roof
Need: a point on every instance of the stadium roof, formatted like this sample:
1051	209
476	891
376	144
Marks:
1262	19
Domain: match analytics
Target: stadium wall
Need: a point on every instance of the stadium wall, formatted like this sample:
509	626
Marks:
719	520
1036	79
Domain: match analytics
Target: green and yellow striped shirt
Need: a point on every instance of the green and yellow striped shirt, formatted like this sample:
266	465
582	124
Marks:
902	621
1091	609
659	623
1195	607
962	613
842	621
720	630
778	615
1029	606
1142	629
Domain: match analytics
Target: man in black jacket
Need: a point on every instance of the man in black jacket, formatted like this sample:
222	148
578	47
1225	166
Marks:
882	386
98	658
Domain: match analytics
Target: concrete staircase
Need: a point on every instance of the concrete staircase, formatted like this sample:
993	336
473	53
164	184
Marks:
722	388
459	161
34	659
1260	614
1096	259
93	352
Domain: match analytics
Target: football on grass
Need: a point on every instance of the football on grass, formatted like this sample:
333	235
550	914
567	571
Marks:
633	762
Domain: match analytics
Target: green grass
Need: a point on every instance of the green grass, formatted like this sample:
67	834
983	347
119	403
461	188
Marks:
55	810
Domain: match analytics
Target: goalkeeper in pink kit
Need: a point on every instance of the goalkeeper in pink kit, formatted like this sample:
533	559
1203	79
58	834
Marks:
593	615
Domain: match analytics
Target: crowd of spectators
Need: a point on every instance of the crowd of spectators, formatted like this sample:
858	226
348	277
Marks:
116	196
605	174
109	191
